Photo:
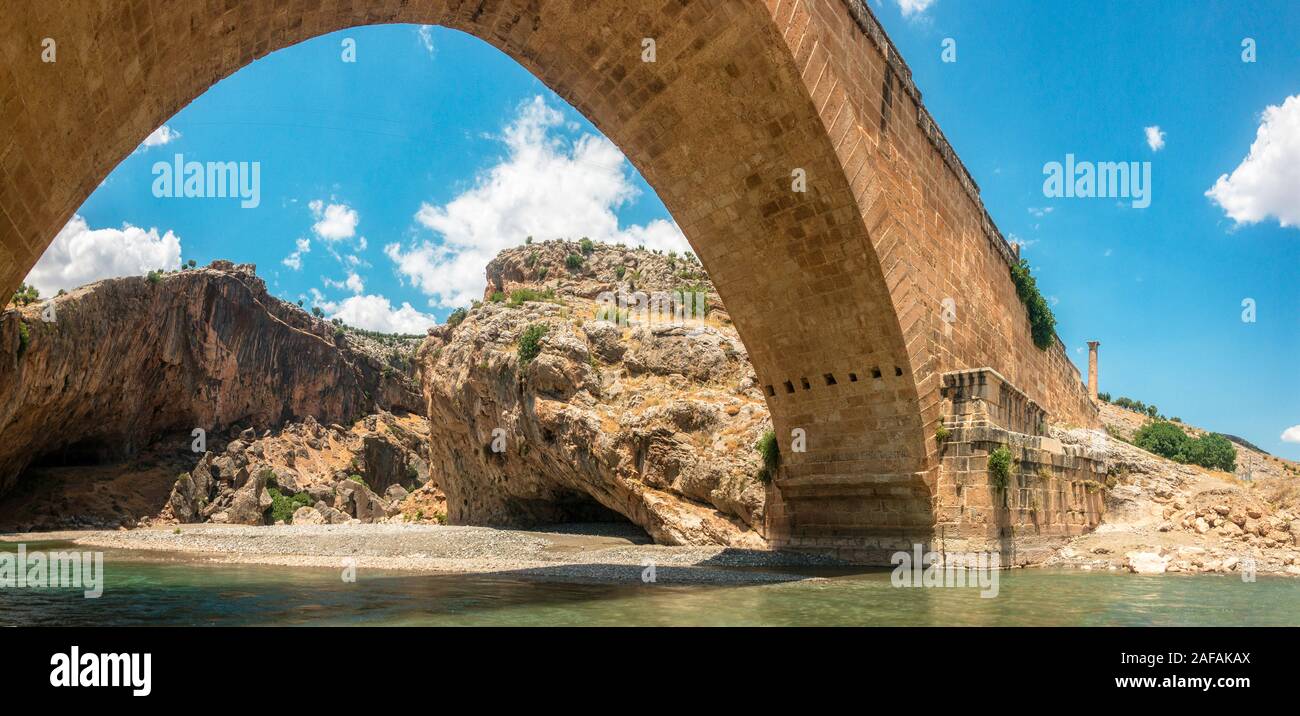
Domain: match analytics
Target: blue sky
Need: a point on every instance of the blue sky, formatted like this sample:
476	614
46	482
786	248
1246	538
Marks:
438	151
1161	287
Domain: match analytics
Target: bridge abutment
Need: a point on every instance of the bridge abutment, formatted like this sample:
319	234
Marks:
1051	491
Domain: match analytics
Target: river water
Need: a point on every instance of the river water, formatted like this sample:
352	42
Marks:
181	593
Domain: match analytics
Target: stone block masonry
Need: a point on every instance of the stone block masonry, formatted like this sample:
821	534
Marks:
838	291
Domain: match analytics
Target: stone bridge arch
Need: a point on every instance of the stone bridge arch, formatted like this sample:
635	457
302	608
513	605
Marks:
836	291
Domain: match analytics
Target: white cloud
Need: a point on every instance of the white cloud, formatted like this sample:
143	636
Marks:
545	187
1267	182
1044	211
294	260
914	7
79	255
160	136
1155	138
1291	434
334	222
376	313
425	32
352	283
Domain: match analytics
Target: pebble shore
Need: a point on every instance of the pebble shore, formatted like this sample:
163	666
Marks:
583	553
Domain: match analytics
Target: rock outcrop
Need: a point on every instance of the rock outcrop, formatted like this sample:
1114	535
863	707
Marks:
326	474
653	420
1167	516
125	361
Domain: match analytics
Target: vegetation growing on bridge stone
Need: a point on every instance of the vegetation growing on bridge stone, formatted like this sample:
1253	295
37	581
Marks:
1000	467
1041	320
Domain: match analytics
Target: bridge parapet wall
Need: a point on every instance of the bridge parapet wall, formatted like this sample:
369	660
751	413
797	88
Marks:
983	397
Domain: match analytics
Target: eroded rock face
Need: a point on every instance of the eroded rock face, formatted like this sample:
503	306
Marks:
654	422
127	360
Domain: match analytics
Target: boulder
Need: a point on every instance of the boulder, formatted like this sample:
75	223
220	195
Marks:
358	500
308	516
606	339
331	515
249	504
1147	562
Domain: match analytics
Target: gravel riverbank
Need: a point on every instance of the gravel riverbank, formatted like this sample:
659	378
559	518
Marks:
598	552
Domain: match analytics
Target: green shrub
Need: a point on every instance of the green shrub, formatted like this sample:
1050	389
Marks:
1167	440
1041	321
1162	438
528	241
283	506
586	246
531	261
1212	450
770	450
573	261
1000	467
154	277
357	478
520	296
541	272
941	434
619	271
498	296
530	343
455	317
24	338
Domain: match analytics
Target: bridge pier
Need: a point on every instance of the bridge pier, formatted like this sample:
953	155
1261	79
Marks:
1053	491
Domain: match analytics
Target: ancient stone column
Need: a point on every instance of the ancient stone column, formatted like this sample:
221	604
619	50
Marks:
1092	368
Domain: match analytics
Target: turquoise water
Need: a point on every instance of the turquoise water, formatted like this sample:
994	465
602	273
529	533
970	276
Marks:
149	593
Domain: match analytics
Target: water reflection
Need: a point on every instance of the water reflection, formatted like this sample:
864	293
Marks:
139	593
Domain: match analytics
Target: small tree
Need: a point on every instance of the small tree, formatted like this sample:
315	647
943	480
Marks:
587	246
26	295
1162	438
573	261
1213	451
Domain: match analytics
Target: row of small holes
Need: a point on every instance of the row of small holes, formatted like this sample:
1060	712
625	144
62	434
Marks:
830	380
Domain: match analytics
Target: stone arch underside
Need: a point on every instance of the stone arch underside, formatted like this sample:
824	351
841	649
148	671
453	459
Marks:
835	291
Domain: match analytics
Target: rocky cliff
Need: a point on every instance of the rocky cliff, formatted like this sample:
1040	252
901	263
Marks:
125	361
1167	516
547	409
